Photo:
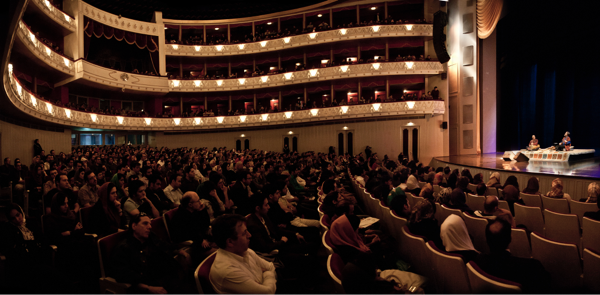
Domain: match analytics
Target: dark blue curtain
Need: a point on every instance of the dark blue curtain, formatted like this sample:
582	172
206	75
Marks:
549	74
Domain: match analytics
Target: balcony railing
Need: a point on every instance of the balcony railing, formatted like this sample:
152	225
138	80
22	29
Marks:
318	74
56	14
43	52
118	22
44	110
376	31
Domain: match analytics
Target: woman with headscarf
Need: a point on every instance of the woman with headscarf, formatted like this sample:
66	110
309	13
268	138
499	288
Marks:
423	223
477	179
438	178
119	181
511	180
458	200
347	241
557	191
593	193
412	186
105	216
494	180
533	186
455	236
61	225
466	173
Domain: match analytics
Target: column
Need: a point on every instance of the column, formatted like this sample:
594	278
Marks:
387	49
278	61
331	18
253	29
280	103
205	69
230	102
180	106
387	87
305	96
278	23
162	47
204	34
331	55
229	68
253	66
180	68
34	84
359	90
385	10
255	105
228	33
358	53
179	33
357	13
332	93
304	21
305	66
205	103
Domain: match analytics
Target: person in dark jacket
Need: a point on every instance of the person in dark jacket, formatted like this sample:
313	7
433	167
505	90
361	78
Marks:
106	215
37	147
423	223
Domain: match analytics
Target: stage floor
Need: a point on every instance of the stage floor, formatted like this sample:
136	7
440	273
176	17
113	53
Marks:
589	168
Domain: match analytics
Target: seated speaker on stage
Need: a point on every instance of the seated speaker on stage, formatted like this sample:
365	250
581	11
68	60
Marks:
533	144
565	144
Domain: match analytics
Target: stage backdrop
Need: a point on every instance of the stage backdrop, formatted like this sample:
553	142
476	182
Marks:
549	74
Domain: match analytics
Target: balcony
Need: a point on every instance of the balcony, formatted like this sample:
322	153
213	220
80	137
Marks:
43	52
121	80
56	14
32	105
312	75
377	31
118	22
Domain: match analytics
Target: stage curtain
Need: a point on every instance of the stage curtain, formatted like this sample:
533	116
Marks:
488	14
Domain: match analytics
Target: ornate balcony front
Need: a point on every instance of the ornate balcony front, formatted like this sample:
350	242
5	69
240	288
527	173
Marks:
122	80
377	31
118	22
43	52
56	14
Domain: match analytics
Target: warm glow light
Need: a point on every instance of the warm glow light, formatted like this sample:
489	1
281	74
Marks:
312	35
343	31
66	62
176	121
19	89
33	100
243	135
67	18
373	8
263	43
68	113
49	107
197	48
313	72
219	82
241	46
410	104
220	119
376	66
120	119
197	121
148	121
219	47
319	15
287	76
290	132
345	128
242	119
47	3
410	124
264	117
344	68
176	47
32	37
288	114
375	28
176	83
264	79
376	106
409	64
48	51
242	81
197	83
93	117
344	109
216	29
10	68
409	27
314	112
287	39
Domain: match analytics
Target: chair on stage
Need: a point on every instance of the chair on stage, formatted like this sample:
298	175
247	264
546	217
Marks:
532	200
475	202
202	275
563	228
561	260
591	234
449	270
591	269
519	245
476	228
335	265
483	283
556	205
531	217
579	208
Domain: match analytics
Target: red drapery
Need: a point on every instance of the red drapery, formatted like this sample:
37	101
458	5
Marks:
140	40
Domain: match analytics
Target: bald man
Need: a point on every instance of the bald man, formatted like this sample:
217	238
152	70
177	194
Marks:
491	211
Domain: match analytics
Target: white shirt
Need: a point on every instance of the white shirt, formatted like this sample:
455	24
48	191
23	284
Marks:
175	195
248	274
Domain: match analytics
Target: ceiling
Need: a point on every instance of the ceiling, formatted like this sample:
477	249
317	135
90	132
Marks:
143	10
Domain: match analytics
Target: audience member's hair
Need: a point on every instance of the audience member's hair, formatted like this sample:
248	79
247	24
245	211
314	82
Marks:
136	219
134	186
173	177
225	227
242	174
257	200
498	235
185	200
490	203
481	189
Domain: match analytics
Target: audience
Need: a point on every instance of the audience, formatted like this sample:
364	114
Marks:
423	223
105	216
491	211
455	236
533	186
557	191
593	193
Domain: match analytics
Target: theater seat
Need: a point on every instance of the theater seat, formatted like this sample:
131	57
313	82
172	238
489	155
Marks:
483	283
415	252
472	187
531	217
563	228
503	205
561	260
475	202
556	205
591	269
438	213
491	191
202	275
447	212
591	234
500	193
579	208
159	229
327	242
476	228
532	200
449	270
519	245
399	223
335	265
105	247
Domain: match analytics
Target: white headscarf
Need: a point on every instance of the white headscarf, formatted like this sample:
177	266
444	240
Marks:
412	183
455	235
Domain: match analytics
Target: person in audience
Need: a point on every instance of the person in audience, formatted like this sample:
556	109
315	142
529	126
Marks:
451	181
437	180
63	186
138	202
533	186
458	200
157	196
491	211
346	240
398	203
145	261
241	192
595	215
477	179
593	193
360	276
412	186
557	191
512	196
173	191
455	236
463	185
237	268
466	173
105	216
423	223
528	272
189	182
88	194
481	189
494	180
511	180
119	181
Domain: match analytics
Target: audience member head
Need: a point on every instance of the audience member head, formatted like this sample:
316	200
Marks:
343	234
244	176
557	189
478	178
423	210
451	181
481	189
447	170
511	193
494	179
533	186
108	199
498	235
427	193
140	226
260	204
230	233
462	183
512	180
412	183
14	214
490	204
455	235
137	190
191	202
593	191
60	205
62	182
91	179
154	182
175	181
458	197
438	178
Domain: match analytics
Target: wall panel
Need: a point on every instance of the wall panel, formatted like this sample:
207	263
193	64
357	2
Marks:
17	141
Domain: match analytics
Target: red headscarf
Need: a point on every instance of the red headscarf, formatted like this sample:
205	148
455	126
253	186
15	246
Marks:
342	234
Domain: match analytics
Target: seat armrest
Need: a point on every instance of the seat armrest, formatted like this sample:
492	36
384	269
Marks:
186	243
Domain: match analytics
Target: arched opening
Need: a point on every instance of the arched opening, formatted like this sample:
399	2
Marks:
286	142
350	145
247	144
295	144
341	143
415	144
238	145
405	142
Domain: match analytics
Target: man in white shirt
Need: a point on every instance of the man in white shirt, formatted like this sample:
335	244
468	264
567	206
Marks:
237	269
172	191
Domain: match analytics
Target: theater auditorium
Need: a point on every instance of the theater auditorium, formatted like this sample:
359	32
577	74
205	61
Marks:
299	147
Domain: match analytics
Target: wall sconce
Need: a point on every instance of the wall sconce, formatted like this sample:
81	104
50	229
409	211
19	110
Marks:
409	64
376	106
409	27
68	113
313	72
263	43
176	121
197	121
290	132
344	68
376	66
410	124
49	107
375	29
32	37
242	81
242	119
286	40
241	46
220	119
197	83
343	31
312	35
19	89
314	112
264	79
219	82
219	47
120	119
410	104
93	117
288	115
345	128
148	121
176	47
197	48
176	83
243	135
344	109
287	76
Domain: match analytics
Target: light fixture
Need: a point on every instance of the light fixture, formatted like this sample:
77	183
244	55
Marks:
120	119
288	115
148	121
376	106
271	68
177	121
345	128
319	15
313	72
312	35
314	112
219	47
298	64
10	68
197	83
409	64
176	47
34	101
344	68
242	81
93	117
176	83
290	132
376	29
67	63
376	66
242	119
410	104
197	48
68	113
47	3
67	18
49	107
216	29
264	79
32	37
263	43
48	51
264	117
287	76
269	23
344	109
373	8
286	40
219	82
409	27
243	135
343	31
197	121
220	119
410	124
241	46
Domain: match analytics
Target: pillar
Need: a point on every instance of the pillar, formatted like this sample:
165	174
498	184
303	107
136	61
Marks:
162	47
387	49
387	87
305	66
331	18
229	68
253	29
385	10
34	84
229	34
357	13
305	96
278	23
278	61
280	103
230	102
255	105
359	90
204	35
180	68
180	105
180	33
332	92
358	53
304	21
331	55
205	103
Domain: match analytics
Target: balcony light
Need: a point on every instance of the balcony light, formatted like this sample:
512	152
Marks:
177	121
219	82
319	15
409	27
197	83
33	100
410	104
313	72
373	8
264	117
67	63
120	119
269	23
410	64
343	31
49	107
264	79
67	18
314	112
287	76
197	121
243	135
197	48
286	40
219	47
93	117
10	68
176	47
242	81
19	89
216	29
148	121
376	29
312	35
376	66
376	106
288	115
263	43
344	68
68	113
345	128
344	109
242	119
176	83
32	37
410	124
241	46
220	119
290	132
48	51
